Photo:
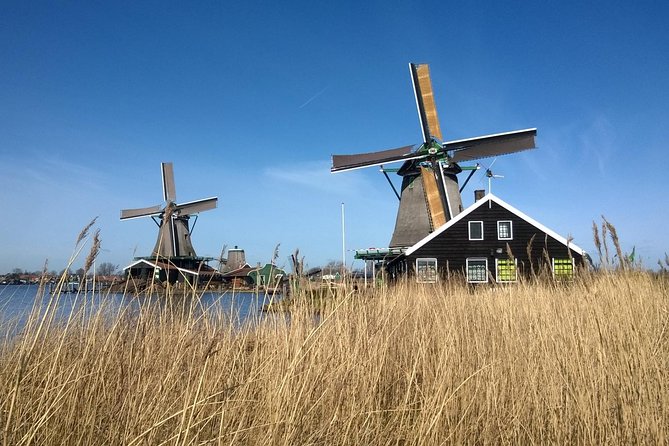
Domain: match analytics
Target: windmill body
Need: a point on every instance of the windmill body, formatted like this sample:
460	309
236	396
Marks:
430	192
173	244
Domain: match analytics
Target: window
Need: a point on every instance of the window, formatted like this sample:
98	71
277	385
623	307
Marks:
477	270
426	270
475	230
504	230
563	268
506	270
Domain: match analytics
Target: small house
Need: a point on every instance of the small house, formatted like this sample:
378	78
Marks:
491	241
268	276
239	277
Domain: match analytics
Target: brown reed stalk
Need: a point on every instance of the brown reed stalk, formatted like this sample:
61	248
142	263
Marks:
622	259
605	230
529	255
597	241
93	253
84	232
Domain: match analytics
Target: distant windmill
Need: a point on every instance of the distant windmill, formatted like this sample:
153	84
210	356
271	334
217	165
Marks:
429	195
174	233
222	261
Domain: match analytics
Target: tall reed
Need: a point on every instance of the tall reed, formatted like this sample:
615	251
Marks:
534	362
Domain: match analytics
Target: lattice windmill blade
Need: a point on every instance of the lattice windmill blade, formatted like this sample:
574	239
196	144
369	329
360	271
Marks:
194	207
169	188
221	258
342	163
491	145
427	109
127	214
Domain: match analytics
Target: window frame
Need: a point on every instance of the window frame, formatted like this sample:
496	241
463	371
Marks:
425	276
515	270
477	259
499	236
469	227
563	276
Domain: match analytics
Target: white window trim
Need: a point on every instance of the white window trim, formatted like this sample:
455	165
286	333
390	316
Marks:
510	222
573	266
436	270
469	227
497	271
486	269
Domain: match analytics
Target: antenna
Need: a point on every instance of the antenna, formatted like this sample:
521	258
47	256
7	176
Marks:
490	176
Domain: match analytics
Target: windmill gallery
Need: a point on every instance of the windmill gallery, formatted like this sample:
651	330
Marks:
434	236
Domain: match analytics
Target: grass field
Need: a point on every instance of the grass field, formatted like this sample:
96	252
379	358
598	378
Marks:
584	363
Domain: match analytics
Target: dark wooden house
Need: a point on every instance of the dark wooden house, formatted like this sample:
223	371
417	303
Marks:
491	241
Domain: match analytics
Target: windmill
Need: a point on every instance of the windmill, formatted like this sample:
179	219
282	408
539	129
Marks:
174	233
430	195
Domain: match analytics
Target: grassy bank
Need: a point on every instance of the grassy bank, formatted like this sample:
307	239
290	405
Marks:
529	363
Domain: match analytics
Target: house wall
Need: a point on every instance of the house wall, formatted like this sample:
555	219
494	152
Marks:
453	247
268	274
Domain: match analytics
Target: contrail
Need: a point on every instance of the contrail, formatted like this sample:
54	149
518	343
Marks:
314	97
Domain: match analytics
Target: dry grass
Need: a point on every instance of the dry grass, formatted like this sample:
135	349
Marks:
585	363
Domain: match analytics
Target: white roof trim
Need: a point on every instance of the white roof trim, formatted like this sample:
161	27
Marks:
487	198
137	262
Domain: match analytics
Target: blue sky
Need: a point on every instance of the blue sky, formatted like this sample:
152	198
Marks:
249	100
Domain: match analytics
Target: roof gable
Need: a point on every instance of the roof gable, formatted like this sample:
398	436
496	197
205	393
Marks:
484	201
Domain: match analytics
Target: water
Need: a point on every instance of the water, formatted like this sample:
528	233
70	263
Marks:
17	301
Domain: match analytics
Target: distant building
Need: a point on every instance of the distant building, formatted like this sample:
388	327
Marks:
267	276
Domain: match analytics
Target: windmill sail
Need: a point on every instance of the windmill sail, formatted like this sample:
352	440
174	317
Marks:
193	207
342	163
169	188
141	212
491	145
433	198
427	109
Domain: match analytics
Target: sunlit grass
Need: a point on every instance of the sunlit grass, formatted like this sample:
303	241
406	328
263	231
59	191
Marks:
529	363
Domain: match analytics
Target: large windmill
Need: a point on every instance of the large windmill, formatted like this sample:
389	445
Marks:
430	195
174	233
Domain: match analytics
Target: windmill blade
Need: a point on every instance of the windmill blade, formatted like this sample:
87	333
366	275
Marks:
141	212
427	110
173	238
169	188
341	163
193	207
491	145
433	197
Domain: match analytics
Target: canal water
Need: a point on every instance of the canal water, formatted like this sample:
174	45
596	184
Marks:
17	301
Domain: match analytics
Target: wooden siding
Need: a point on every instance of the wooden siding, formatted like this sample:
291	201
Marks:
453	246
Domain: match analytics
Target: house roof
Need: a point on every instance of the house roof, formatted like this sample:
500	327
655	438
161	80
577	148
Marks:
240	272
160	265
493	198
